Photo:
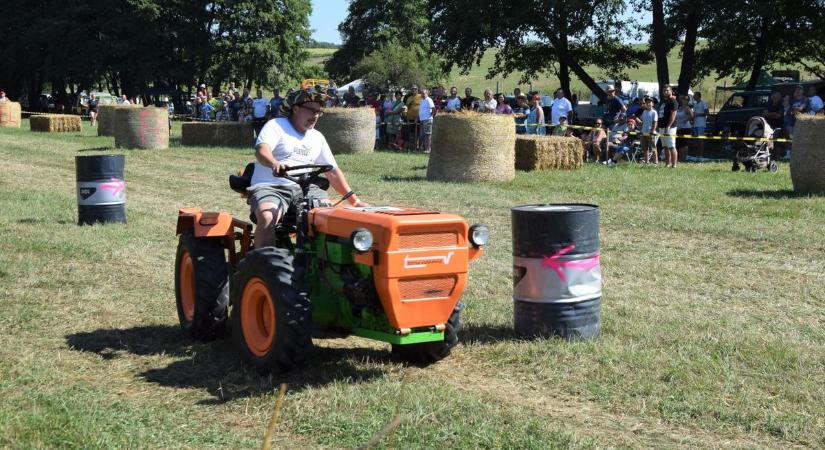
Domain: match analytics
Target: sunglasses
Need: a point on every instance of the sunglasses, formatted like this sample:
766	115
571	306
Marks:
315	111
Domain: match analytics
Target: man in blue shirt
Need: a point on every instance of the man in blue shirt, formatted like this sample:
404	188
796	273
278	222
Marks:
275	104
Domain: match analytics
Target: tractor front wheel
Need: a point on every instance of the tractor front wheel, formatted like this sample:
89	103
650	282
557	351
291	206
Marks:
270	316
201	286
430	352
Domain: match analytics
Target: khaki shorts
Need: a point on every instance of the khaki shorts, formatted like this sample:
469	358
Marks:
281	195
427	127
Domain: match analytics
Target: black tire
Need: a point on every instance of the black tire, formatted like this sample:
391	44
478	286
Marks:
431	352
735	167
201	307
773	167
271	316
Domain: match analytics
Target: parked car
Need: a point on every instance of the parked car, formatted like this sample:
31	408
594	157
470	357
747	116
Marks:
741	106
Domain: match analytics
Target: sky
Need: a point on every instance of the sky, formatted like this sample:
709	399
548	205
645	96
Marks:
326	15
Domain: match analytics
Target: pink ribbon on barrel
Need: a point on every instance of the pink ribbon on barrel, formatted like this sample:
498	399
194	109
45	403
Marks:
116	186
556	264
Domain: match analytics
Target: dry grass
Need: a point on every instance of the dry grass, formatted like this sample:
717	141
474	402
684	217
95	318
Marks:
142	128
55	123
548	153
348	130
217	134
712	318
808	155
470	147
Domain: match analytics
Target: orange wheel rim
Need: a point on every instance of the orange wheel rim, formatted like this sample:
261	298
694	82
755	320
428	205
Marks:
257	317
187	287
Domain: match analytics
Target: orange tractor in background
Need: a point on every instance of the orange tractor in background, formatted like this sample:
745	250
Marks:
385	273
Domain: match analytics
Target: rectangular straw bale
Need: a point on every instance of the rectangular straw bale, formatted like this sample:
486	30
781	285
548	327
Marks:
55	123
217	134
548	153
10	113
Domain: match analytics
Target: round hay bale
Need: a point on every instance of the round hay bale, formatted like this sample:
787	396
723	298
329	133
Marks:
217	134
55	123
143	128
808	155
106	120
469	147
548	152
348	130
10	114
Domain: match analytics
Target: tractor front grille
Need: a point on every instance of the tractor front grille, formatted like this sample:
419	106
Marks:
429	239
427	288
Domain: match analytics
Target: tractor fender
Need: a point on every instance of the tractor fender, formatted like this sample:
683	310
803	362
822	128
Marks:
204	224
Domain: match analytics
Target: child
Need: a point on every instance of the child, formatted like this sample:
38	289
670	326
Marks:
648	131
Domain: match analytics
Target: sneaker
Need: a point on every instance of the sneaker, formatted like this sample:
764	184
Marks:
611	163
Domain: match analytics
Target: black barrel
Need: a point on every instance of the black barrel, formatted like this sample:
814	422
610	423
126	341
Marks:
101	189
557	281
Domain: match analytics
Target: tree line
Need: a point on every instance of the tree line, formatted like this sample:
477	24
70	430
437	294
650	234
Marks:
739	38
126	46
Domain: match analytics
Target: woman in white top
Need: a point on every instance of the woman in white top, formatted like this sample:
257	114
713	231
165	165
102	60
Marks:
489	104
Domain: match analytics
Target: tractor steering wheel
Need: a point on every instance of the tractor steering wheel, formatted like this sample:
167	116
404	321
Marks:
311	171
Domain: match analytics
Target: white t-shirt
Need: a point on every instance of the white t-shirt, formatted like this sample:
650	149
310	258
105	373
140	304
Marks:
425	110
560	107
649	119
259	107
453	104
291	148
488	106
699	108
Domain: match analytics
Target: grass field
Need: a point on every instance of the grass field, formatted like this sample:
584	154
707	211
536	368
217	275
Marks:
713	317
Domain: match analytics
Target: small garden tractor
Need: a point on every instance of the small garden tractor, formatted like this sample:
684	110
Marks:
391	274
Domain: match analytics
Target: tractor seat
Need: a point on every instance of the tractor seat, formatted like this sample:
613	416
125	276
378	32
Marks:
243	180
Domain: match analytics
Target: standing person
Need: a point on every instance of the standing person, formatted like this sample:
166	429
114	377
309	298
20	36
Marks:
260	108
351	100
560	107
516	93
684	126
426	111
438	98
453	102
412	102
501	105
275	104
291	140
469	103
488	105
394	122
612	107
124	100
535	118
648	139
667	125
92	104
520	112
3	97
700	114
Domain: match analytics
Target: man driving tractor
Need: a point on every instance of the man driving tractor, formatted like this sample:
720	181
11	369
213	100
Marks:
290	140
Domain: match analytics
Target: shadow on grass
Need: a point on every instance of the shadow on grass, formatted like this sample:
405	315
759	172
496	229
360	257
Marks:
33	221
96	149
216	366
409	178
472	333
774	194
175	142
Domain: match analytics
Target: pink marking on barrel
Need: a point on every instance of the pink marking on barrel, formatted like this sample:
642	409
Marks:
116	186
554	263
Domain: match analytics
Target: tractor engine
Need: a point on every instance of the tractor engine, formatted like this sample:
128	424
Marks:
410	263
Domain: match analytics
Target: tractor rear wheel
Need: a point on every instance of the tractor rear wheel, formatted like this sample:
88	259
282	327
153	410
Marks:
430	352
270	317
201	286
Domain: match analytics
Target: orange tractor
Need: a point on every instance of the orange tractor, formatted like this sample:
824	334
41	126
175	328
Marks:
385	273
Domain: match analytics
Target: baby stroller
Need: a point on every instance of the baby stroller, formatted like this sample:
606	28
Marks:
757	155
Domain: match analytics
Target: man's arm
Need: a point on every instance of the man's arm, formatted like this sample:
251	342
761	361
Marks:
263	154
339	183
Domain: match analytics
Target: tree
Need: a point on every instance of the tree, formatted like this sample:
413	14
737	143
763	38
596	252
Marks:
393	65
536	37
373	23
746	36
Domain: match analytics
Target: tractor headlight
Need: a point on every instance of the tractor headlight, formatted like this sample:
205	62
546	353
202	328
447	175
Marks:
479	235
361	239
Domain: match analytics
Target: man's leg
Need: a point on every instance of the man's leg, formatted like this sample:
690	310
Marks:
269	203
